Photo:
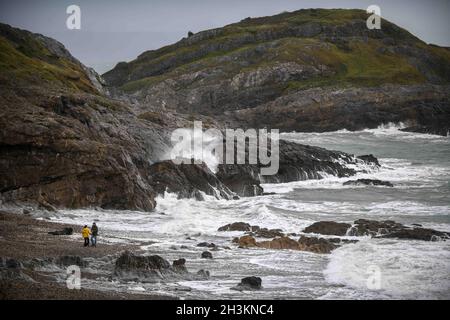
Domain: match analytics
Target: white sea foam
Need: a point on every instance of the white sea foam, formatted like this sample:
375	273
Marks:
416	164
409	269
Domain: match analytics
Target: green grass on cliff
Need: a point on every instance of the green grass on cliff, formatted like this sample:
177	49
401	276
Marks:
362	64
24	65
354	62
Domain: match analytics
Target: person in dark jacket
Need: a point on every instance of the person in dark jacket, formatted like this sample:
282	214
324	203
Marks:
94	232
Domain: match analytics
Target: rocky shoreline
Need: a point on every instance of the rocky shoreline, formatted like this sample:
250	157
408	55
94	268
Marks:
33	257
29	255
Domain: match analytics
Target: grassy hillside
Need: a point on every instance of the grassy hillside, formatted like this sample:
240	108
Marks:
335	39
26	60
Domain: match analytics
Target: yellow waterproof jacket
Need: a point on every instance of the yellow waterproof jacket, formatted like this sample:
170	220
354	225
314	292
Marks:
86	232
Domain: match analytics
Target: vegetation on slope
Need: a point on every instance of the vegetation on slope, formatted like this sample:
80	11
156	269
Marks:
336	39
25	60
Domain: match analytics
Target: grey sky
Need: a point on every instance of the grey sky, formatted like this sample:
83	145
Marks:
114	31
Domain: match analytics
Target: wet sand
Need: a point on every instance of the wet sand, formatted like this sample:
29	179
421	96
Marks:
24	238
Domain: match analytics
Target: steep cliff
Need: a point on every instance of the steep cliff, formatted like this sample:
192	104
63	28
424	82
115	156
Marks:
309	70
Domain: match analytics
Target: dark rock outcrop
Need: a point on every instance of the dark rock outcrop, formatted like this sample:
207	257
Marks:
310	244
364	227
187	180
206	244
180	265
130	267
442	129
249	283
245	242
238	226
328	228
418	234
368	182
63	232
268	233
392	229
280	244
296	162
207	255
370	159
316	245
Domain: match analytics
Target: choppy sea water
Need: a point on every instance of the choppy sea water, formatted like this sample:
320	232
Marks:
417	164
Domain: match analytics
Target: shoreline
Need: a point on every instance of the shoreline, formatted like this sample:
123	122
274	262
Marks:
24	239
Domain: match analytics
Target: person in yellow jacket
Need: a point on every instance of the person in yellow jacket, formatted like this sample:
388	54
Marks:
86	233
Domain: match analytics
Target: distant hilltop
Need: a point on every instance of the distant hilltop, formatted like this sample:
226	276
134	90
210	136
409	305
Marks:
308	70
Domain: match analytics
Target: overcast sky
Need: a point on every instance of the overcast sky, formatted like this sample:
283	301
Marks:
113	31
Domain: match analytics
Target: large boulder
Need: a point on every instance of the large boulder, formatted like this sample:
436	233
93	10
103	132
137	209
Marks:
328	228
246	242
316	245
180	265
238	226
130	267
280	243
249	283
206	255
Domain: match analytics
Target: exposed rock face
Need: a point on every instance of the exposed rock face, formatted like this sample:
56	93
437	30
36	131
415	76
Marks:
328	228
81	157
368	182
309	70
62	143
187	180
296	162
331	109
241	179
65	144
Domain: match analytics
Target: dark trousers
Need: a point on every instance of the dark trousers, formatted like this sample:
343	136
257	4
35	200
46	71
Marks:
86	242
